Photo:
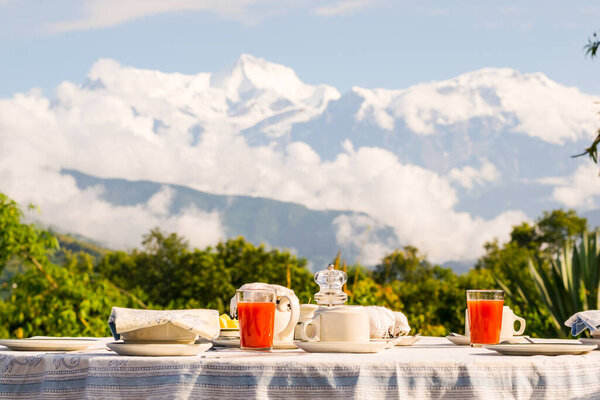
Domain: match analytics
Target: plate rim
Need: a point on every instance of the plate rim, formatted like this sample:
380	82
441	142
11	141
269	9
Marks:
199	346
235	342
378	345
543	348
47	344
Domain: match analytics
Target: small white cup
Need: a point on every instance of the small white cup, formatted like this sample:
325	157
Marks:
508	324
307	312
337	324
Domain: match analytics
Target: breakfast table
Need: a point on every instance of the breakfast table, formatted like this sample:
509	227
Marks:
431	368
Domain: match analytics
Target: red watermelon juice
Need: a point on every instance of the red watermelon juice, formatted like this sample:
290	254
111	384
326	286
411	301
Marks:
257	321
485	320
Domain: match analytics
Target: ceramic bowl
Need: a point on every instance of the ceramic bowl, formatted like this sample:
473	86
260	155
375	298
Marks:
166	333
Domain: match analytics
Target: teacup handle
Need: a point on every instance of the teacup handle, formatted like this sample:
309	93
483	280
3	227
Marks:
294	315
521	322
316	324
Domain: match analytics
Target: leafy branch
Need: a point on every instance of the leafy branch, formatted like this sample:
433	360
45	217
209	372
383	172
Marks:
591	48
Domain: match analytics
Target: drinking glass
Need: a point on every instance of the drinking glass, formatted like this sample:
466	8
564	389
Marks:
256	315
485	315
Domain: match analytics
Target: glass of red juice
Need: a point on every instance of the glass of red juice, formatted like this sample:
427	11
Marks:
256	315
485	315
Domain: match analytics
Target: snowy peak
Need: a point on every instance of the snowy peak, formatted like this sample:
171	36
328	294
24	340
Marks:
514	101
250	74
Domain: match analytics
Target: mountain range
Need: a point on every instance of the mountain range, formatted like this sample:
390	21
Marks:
252	150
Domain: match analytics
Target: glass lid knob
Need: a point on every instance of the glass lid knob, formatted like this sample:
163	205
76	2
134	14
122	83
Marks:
331	281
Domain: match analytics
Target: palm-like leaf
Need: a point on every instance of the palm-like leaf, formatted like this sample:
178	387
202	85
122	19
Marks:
570	283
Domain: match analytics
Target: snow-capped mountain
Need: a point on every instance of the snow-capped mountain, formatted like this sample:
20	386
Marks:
445	165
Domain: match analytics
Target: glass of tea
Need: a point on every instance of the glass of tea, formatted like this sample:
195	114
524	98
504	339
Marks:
485	315
256	315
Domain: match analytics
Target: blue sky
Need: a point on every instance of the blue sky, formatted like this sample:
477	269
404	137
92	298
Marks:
391	44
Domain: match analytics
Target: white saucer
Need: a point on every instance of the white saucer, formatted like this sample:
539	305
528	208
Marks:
460	340
407	340
374	346
546	349
48	344
235	342
153	349
591	341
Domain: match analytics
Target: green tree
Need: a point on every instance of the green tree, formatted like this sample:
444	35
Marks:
167	274
571	282
509	263
49	299
78	306
24	242
432	297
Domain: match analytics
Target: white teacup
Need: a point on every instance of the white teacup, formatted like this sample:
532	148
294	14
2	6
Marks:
337	324
508	324
307	312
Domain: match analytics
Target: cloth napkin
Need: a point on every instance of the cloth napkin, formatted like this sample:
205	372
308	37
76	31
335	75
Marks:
385	323
584	320
123	320
280	290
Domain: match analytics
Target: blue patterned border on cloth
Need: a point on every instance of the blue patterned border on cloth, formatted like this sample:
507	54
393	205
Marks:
432	368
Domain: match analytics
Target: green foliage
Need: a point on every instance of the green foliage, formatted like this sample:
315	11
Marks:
75	297
167	274
74	244
570	283
19	240
79	305
433	298
509	264
591	48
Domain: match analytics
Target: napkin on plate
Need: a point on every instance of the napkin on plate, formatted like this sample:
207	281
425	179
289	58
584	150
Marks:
123	320
386	323
584	320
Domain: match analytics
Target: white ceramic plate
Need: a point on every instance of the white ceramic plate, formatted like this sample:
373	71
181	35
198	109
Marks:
462	340
545	349
591	341
48	344
129	349
229	332
235	342
374	346
459	340
406	340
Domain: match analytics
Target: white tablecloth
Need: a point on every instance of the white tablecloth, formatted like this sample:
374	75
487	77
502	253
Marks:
431	368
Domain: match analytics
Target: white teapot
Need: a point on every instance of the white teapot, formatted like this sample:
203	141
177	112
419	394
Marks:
287	311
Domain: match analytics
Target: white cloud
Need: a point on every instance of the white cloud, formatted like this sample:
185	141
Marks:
469	176
95	14
344	7
510	100
110	130
354	232
160	202
581	189
109	13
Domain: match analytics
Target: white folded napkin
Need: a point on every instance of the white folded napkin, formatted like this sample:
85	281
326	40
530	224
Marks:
584	320
386	323
123	320
280	290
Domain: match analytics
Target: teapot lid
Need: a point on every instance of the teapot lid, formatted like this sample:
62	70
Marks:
331	281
